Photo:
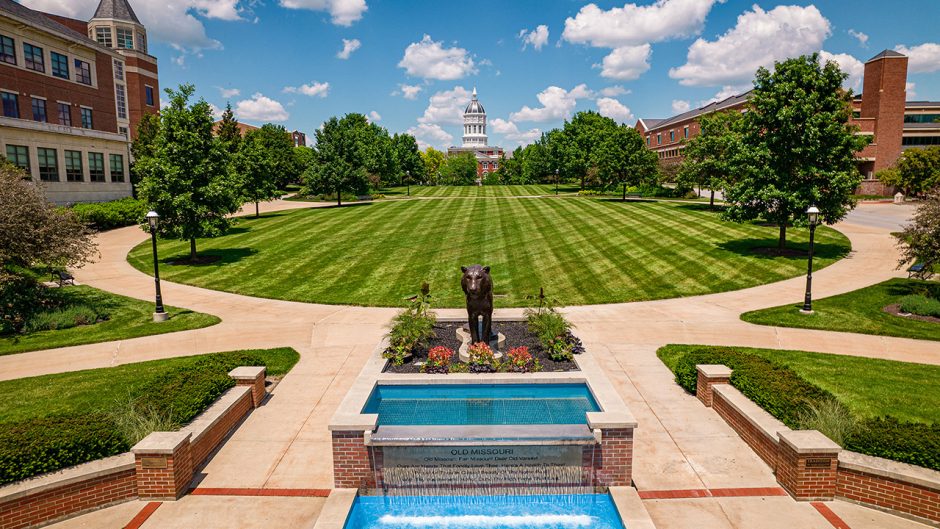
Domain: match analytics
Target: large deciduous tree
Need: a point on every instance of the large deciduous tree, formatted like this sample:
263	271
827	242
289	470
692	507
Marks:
572	151
710	156
349	150
228	130
433	161
279	148
622	159
920	240
916	173
408	161
256	169
460	170
188	179
799	149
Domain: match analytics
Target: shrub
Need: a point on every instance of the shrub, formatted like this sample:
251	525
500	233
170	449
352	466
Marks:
482	359
559	350
411	328
64	317
920	305
913	443
439	359
520	360
20	297
831	418
109	215
45	444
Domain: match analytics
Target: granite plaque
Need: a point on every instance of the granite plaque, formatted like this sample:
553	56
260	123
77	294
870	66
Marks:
470	456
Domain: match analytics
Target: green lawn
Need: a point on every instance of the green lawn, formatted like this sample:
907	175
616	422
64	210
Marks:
481	191
582	250
128	318
858	311
868	387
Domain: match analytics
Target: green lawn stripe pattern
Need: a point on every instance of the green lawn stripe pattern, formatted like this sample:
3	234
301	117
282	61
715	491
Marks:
581	250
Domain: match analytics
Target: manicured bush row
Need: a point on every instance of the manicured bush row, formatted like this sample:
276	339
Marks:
920	305
784	394
109	215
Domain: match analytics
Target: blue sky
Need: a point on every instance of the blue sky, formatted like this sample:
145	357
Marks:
412	64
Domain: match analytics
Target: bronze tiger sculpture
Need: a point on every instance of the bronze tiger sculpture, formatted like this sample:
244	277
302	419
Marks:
478	287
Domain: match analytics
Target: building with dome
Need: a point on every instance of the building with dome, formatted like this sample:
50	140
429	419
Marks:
475	139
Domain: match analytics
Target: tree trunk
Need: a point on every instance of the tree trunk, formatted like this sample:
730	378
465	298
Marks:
257	213
711	201
192	249
339	198
782	242
624	198
582	182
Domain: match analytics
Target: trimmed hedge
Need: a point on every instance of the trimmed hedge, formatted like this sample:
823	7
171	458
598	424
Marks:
109	215
784	394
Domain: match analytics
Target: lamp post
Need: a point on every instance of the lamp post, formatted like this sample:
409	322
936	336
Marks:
812	214
408	181
556	182
159	314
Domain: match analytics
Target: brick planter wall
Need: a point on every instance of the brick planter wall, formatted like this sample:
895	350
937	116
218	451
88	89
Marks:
209	439
806	465
352	465
891	486
613	462
763	446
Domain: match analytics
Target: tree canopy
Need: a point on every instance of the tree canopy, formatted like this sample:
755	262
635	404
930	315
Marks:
622	159
433	161
459	170
710	156
920	240
916	173
256	167
409	164
348	150
228	132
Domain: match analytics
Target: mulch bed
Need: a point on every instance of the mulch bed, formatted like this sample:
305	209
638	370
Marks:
516	332
896	310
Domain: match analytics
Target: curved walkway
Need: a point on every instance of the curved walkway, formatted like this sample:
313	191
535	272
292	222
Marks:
679	444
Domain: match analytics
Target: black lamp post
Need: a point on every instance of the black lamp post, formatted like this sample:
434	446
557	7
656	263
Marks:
812	215
556	182
408	181
159	313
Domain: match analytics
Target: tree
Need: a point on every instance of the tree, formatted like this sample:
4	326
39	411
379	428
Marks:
709	157
349	149
916	173
433	161
279	148
460	170
572	151
622	159
256	169
920	240
538	164
142	146
408	159
798	148
228	132
188	179
305	158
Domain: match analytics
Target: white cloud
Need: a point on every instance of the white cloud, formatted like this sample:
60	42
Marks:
228	93
862	38
680	106
627	62
446	107
261	109
430	135
759	38
431	60
557	103
343	12
349	46
614	91
615	110
216	111
408	91
314	89
848	64
374	117
633	25
911	93
923	59
537	38
511	132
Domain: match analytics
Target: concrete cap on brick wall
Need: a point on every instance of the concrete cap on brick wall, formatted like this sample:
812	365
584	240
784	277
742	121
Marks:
714	370
809	442
247	372
161	443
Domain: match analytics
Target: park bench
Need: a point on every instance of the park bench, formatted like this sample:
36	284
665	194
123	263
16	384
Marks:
635	194
916	269
62	277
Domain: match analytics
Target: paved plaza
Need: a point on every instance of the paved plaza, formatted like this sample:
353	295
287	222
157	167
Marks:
690	467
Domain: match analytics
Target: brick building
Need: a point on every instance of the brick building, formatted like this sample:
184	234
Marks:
72	94
881	110
299	138
475	139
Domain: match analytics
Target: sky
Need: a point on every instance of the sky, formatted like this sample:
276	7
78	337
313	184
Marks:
410	65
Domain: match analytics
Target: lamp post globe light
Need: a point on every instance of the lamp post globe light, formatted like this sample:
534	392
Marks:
408	181
556	182
812	215
159	314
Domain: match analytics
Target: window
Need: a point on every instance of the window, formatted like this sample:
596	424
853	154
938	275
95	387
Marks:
149	92
11	107
141	41
659	139
73	166
121	98
103	36
672	136
65	114
33	57
123	131
96	167
82	72
118	70
920	141
117	167
647	141
87	122
125	38
685	131
18	156
48	165
856	115
39	109
60	65
7	50
922	118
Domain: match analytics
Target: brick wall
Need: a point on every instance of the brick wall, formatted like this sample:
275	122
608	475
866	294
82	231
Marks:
763	446
613	461
68	500
887	493
352	466
207	442
806	476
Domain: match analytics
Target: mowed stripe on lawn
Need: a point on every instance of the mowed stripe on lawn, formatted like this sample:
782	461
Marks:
582	250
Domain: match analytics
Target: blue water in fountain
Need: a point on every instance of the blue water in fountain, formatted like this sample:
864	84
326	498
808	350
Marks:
466	404
576	511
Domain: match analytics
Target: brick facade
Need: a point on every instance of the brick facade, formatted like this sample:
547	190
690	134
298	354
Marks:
807	476
352	463
162	475
613	462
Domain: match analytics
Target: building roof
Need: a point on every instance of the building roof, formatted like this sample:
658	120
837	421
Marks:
116	9
922	104
243	128
887	54
41	20
735	100
474	107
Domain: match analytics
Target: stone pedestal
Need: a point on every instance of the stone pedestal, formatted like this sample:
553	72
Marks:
807	465
160	316
463	334
708	376
164	465
251	376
